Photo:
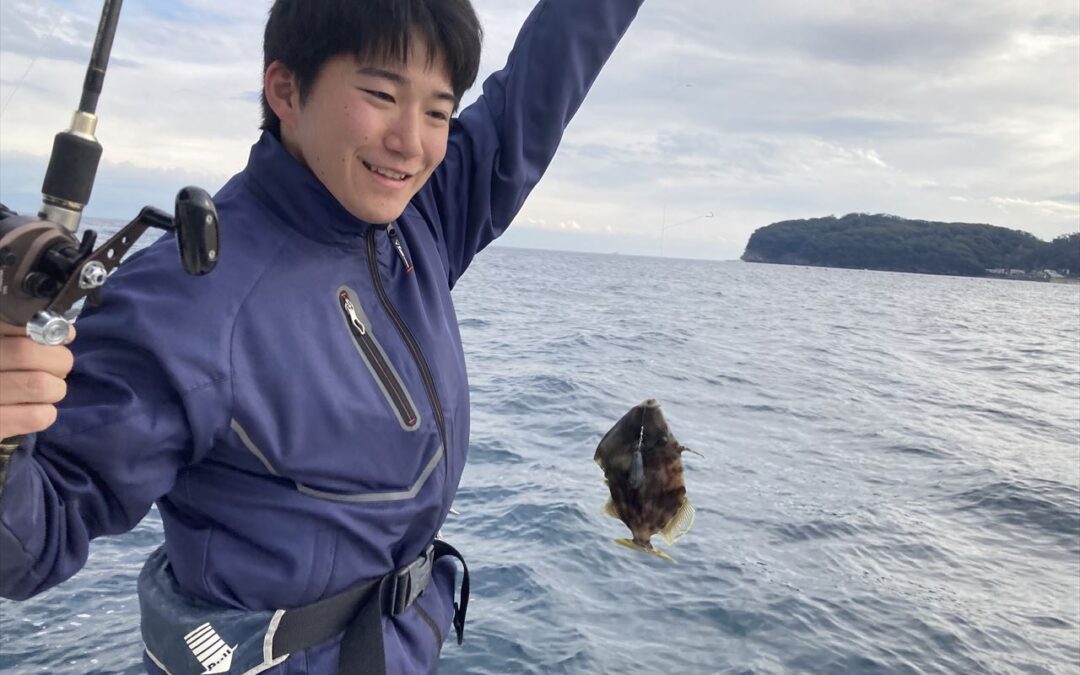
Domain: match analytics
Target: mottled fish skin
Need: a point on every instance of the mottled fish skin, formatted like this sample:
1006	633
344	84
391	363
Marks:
649	507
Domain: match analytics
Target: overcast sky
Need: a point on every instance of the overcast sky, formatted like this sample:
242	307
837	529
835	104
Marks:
951	110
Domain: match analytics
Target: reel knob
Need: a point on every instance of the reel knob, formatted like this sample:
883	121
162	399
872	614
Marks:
197	235
48	328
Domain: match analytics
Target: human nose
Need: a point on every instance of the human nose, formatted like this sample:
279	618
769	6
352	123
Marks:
403	137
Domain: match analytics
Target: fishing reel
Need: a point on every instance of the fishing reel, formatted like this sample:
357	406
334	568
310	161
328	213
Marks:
45	270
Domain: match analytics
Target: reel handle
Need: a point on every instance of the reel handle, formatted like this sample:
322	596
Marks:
28	246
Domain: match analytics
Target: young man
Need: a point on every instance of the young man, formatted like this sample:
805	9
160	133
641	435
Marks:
300	416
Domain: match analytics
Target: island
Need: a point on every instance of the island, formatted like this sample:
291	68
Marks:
895	244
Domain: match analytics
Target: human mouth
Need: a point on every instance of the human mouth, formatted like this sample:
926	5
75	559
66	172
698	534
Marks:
396	177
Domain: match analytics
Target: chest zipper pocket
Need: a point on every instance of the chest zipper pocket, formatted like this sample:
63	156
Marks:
375	359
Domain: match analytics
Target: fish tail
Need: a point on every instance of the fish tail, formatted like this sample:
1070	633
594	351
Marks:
629	543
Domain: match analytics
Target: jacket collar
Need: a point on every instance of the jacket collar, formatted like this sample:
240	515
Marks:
293	192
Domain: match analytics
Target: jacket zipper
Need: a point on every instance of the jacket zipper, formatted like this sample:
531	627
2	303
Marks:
410	341
379	365
396	241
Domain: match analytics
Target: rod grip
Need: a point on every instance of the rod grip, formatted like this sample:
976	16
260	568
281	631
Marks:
72	168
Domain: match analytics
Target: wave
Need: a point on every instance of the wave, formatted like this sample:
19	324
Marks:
1031	504
818	529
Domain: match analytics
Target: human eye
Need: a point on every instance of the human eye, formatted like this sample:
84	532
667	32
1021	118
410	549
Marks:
439	115
381	95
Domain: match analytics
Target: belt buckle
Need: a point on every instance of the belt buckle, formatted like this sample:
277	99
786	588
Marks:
410	581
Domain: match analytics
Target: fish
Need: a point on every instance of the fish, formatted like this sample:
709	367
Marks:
643	469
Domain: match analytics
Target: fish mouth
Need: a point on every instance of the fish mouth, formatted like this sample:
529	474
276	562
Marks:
647	419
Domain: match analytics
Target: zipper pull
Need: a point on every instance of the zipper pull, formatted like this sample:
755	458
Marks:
351	310
392	231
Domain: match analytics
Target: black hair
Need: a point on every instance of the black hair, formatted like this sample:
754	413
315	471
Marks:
305	34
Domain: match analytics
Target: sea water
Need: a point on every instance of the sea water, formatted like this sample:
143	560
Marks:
889	479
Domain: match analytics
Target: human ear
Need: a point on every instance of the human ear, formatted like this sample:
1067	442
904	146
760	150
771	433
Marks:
282	93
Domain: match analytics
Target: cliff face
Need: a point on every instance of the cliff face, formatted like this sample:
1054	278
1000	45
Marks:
891	243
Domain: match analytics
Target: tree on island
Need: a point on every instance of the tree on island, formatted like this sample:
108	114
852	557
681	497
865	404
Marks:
885	242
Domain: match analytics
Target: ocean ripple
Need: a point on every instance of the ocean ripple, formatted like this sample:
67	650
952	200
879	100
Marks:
889	483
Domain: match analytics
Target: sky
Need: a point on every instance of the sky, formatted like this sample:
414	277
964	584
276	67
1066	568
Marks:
711	120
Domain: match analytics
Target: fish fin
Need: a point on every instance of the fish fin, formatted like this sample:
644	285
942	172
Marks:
680	523
629	543
610	510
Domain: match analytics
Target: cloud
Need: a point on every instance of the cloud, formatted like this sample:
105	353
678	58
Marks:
571	226
1049	207
120	191
958	110
42	29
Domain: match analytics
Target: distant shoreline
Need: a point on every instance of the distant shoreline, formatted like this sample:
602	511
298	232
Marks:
1004	277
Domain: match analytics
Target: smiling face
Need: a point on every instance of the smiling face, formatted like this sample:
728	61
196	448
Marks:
372	132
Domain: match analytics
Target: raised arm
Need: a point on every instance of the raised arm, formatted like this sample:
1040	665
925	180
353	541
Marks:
501	145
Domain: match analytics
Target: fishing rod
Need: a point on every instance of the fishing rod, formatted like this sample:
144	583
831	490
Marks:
44	268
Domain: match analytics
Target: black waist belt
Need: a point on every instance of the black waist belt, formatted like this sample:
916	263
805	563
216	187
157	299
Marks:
357	612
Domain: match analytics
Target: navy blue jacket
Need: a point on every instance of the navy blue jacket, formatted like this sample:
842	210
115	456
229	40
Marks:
290	452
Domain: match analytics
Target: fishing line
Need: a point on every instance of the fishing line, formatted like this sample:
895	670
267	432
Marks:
641	434
637	464
18	85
